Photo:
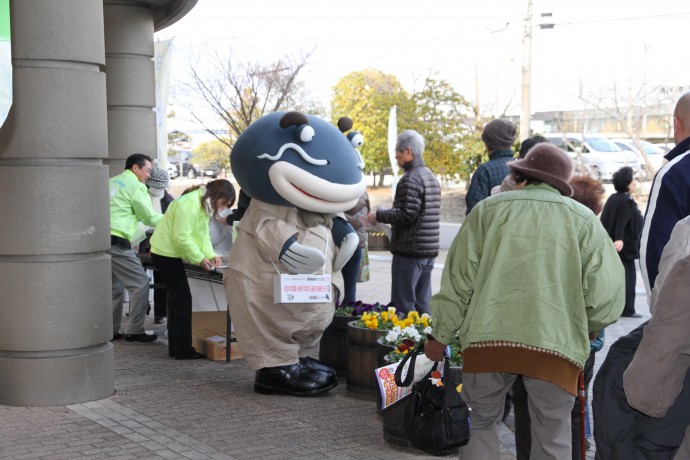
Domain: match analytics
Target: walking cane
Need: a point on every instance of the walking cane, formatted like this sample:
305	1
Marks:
583	400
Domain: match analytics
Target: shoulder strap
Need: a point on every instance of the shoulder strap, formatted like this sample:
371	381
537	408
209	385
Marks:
412	358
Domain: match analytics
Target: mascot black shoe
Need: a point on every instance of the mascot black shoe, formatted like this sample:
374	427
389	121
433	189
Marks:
295	380
311	363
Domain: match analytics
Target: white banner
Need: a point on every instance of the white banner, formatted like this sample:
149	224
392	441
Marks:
392	140
5	61
163	63
301	288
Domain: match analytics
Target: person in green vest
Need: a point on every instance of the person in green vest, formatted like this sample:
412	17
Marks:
130	204
183	236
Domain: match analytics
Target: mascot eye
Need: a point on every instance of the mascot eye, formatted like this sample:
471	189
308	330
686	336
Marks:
356	139
305	133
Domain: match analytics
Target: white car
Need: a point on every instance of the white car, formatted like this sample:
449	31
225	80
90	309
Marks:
601	156
665	146
655	154
173	170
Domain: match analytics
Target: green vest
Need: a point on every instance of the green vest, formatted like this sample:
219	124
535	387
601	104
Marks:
183	232
129	203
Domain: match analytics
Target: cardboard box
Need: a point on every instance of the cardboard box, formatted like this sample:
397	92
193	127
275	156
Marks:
213	320
213	345
209	336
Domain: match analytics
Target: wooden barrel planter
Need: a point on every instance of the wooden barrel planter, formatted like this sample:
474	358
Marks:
394	421
382	349
362	360
333	349
378	241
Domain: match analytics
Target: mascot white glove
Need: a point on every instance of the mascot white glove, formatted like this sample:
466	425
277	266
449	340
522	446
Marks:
300	259
348	246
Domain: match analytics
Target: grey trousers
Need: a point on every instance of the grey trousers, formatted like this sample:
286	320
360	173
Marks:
128	273
549	408
411	283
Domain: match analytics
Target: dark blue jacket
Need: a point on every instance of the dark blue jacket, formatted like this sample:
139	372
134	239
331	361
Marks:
669	202
487	176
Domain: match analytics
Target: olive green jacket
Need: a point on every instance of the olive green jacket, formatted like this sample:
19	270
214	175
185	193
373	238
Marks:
530	267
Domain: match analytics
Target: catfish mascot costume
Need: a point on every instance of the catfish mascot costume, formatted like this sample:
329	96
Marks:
299	171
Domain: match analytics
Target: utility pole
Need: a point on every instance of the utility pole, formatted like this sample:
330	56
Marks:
526	74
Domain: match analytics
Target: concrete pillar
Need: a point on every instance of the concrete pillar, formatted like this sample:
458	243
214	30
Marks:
55	294
131	93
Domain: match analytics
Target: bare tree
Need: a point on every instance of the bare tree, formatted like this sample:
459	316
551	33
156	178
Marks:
239	93
627	109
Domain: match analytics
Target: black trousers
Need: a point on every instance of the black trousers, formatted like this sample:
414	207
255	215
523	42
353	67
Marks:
160	297
179	305
630	280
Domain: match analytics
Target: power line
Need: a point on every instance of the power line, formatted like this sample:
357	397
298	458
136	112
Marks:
593	21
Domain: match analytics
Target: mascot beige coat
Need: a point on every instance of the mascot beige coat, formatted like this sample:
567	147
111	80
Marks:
274	334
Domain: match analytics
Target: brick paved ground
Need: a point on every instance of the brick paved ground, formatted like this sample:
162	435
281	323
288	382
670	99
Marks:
171	409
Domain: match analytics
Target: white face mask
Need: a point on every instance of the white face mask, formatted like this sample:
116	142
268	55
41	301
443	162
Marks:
157	192
224	213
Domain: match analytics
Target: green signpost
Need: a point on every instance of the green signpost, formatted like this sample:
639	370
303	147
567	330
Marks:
5	61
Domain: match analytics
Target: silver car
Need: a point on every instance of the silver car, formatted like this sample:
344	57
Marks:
600	156
655	154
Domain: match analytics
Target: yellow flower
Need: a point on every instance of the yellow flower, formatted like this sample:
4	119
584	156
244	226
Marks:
391	310
413	315
408	322
373	323
384	315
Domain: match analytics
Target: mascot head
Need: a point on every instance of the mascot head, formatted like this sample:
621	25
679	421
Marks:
292	159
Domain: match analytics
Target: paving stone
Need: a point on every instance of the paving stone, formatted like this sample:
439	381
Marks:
202	409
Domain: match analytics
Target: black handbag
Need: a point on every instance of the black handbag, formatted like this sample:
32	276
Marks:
436	419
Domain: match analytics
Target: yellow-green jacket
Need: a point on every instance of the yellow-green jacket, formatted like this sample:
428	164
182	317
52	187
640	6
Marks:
183	231
129	204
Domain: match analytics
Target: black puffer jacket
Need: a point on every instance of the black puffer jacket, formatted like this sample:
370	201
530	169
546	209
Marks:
415	214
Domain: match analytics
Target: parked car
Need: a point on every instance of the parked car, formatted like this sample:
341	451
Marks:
189	170
173	171
601	156
655	154
665	146
212	171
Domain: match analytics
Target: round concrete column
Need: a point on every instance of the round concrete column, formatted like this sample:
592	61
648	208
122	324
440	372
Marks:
55	309
130	84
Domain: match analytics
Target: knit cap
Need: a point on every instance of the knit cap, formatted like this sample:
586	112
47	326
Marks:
499	134
158	178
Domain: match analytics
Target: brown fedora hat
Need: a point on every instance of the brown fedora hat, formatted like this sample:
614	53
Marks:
549	164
